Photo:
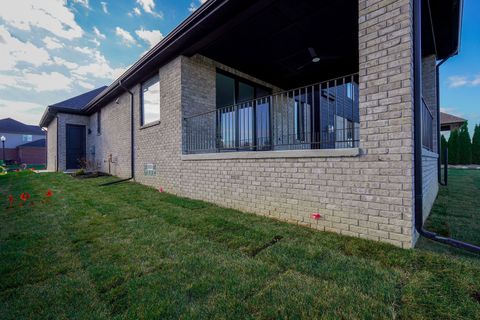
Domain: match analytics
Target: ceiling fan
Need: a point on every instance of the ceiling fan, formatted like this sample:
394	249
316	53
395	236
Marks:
315	58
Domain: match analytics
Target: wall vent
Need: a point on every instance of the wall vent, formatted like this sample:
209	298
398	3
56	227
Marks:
149	169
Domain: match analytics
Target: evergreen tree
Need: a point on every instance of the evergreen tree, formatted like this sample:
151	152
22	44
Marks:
443	146
465	145
453	147
476	145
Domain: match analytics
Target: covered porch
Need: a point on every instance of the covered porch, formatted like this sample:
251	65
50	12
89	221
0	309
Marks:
306	53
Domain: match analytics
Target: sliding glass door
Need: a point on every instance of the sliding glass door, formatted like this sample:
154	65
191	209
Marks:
243	114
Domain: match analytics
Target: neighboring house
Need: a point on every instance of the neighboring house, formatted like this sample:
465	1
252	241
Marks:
17	135
283	109
449	122
33	152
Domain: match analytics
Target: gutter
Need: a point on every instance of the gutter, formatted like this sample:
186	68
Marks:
132	142
170	46
418	169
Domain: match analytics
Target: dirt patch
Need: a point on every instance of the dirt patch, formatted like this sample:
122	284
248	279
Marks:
89	175
476	296
265	246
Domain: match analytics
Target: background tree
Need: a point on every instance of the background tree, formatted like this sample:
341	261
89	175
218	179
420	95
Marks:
464	145
453	147
443	146
476	145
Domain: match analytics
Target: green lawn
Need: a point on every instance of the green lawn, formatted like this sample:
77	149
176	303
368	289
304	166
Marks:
14	167
456	212
129	252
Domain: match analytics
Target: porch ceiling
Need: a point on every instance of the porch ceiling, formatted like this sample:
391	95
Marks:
271	41
441	26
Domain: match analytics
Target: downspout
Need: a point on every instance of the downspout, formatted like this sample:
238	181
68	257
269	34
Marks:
418	170
132	142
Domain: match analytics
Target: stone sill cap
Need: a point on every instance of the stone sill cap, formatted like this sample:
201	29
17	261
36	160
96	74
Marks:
320	153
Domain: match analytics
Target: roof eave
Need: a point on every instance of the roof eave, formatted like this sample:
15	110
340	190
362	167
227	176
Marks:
52	111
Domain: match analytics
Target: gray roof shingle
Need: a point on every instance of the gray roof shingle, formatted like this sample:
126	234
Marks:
80	101
34	144
13	126
72	105
446	118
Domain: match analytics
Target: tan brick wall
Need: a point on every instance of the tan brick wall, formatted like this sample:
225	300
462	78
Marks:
52	145
369	196
429	82
109	150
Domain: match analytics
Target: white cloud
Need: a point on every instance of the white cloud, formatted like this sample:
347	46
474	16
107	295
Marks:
95	41
85	50
125	36
462	81
193	5
83	3
13	51
104	7
151	37
52	43
98	66
62	62
476	81
98	33
37	82
53	16
27	112
137	12
149	6
457	81
54	81
85	85
8	81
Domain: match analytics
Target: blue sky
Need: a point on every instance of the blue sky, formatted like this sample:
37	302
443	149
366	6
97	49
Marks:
51	50
460	76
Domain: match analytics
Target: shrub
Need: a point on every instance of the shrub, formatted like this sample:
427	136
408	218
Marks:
80	172
464	145
453	147
443	146
476	145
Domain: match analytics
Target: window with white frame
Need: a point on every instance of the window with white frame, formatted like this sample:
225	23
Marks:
150	100
27	138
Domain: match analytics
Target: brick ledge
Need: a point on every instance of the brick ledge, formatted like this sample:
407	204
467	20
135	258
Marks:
322	153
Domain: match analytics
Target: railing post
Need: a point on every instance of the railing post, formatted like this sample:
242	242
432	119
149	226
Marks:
445	166
185	146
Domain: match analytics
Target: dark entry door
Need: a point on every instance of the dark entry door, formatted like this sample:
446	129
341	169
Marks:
75	145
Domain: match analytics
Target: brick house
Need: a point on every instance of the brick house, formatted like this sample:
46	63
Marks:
449	122
23	143
282	108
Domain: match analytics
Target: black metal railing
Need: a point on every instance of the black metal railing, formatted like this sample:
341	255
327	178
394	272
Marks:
319	116
427	126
